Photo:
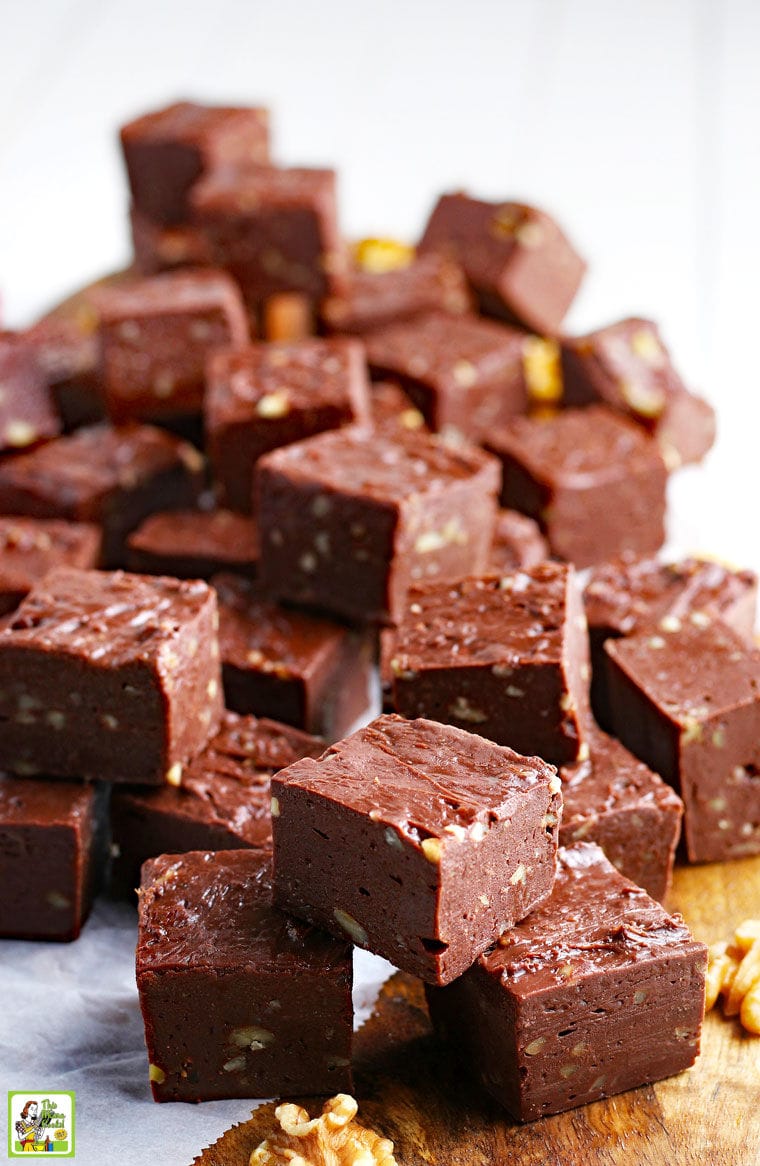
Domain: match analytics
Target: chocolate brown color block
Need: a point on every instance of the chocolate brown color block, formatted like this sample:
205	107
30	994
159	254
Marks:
27	410
597	991
238	999
109	676
30	547
419	841
372	299
195	544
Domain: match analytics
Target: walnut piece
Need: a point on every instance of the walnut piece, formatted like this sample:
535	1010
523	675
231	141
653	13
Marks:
733	971
334	1139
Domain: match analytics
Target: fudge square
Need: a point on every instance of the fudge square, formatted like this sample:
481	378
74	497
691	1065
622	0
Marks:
109	676
686	700
633	591
520	264
597	991
109	476
517	542
419	841
27	410
167	150
52	846
464	374
268	395
350	519
274	230
194	544
30	547
155	335
505	656
221	803
592	479
238	999
615	800
290	665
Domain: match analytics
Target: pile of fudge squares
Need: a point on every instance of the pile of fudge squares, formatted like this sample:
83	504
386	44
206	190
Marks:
240	475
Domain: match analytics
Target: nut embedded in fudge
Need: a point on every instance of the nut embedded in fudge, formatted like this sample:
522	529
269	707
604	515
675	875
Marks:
615	800
109	676
238	999
632	592
27	411
597	991
686	700
504	656
372	299
464	374
393	411
266	396
420	842
155	335
520	264
194	544
168	149
517	542
592	479
112	477
274	230
30	547
289	665
52	848
350	519
221	803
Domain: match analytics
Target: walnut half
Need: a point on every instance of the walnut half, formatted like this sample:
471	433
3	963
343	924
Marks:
334	1139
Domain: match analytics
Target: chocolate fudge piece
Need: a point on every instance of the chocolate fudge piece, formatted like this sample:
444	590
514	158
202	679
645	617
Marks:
274	230
267	395
371	299
596	992
634	591
109	676
52	845
505	656
350	519
685	431
614	800
420	842
686	700
238	999
222	802
27	412
464	374
155	335
30	547
517	542
114	477
194	544
520	264
289	665
167	150
592	479
393	411
160	248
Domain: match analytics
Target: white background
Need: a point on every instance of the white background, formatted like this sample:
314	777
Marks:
635	123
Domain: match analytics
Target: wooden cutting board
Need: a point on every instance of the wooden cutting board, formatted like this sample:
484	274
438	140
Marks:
410	1091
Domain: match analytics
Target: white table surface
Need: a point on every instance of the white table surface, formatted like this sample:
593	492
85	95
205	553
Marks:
636	124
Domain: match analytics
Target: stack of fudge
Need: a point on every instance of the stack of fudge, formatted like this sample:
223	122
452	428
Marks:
239	475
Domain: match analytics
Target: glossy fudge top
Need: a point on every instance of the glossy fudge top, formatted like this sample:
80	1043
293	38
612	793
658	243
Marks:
372	465
595	920
632	590
213	910
30	547
691	672
31	802
456	352
108	619
230	189
609	779
422	779
268	380
255	632
168	294
188	122
579	448
373	299
228	783
512	619
198	534
95	460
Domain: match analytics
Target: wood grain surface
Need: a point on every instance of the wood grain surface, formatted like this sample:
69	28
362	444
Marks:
411	1090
